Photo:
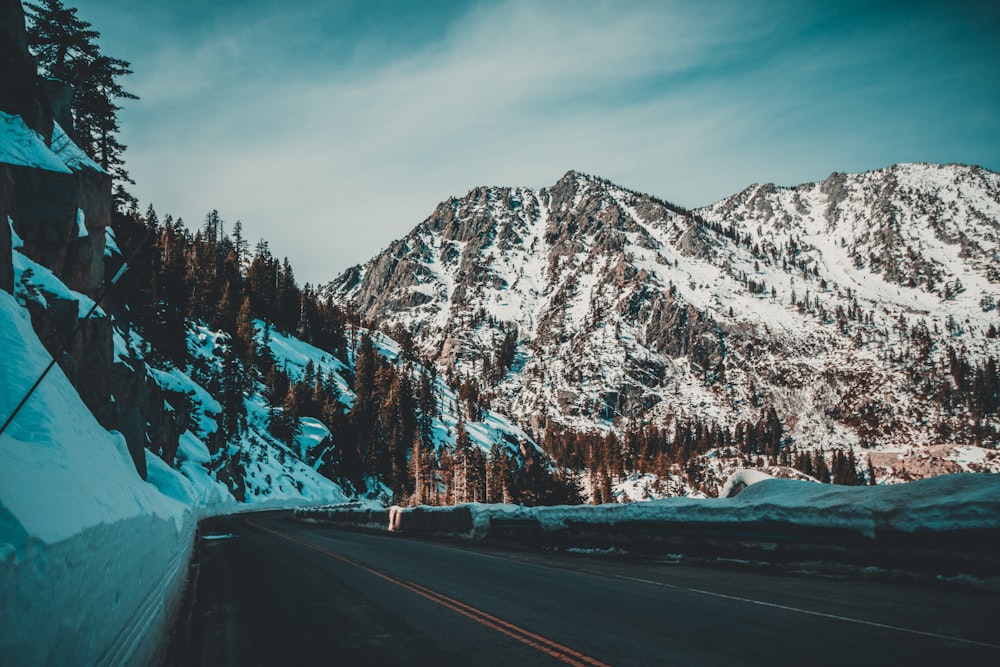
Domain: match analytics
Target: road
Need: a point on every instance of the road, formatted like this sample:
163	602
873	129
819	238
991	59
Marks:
271	591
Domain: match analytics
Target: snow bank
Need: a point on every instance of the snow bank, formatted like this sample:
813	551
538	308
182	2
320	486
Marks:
965	501
949	502
69	153
23	147
32	281
741	479
92	558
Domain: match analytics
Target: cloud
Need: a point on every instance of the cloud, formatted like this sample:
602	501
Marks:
332	157
347	161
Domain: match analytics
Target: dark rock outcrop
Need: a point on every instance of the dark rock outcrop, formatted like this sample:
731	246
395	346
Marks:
44	204
148	417
45	207
86	357
60	213
23	91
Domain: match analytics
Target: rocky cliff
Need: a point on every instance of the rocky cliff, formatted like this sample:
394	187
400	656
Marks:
861	308
55	205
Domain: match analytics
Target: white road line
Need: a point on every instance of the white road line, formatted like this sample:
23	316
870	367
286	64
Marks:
820	614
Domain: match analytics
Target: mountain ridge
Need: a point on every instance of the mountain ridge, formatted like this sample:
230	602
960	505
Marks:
627	309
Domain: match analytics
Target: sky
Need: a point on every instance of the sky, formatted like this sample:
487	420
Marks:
331	128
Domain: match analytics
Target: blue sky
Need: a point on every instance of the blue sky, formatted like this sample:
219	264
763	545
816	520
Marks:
331	128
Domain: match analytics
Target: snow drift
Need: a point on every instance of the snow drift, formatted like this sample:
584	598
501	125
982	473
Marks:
92	558
967	501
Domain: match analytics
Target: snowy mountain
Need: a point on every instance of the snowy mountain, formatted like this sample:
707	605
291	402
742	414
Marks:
182	409
860	309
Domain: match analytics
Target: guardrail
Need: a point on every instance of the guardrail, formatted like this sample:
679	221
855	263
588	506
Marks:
969	551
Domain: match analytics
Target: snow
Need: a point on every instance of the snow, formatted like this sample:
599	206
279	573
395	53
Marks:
32	282
207	407
275	475
205	492
964	501
111	248
16	241
295	355
23	147
965	456
81	224
93	557
312	434
71	155
740	479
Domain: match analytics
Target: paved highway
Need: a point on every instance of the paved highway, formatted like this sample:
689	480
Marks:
271	591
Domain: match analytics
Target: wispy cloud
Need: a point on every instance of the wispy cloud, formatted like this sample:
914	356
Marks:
331	157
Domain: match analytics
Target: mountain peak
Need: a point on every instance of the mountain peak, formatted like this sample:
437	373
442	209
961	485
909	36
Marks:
780	297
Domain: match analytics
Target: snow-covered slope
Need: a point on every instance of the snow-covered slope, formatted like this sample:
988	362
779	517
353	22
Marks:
72	511
492	429
73	507
859	308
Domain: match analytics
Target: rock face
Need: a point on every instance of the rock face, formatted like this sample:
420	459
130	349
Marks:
555	270
22	92
148	417
18	94
61	218
59	199
841	304
59	203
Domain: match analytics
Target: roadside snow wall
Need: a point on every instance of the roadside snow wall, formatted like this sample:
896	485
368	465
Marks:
942	524
92	558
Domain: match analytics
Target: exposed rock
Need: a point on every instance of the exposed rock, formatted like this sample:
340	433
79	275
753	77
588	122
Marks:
59	202
146	415
22	92
59	95
628	308
87	357
46	205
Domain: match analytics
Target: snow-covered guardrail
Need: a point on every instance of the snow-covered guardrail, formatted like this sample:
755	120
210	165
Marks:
347	516
950	522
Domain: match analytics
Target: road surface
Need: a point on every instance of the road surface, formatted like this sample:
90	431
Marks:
271	591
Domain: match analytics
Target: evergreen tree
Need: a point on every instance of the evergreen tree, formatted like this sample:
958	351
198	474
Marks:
231	392
58	37
364	412
246	332
66	47
465	474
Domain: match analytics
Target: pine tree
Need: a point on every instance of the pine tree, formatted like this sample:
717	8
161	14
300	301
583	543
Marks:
261	279
287	299
246	332
364	412
231	393
465	474
96	117
59	37
66	47
418	473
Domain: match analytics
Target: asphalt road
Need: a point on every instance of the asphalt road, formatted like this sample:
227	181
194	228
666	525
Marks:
270	591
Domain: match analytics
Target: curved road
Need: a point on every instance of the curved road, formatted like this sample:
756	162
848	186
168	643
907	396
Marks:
270	591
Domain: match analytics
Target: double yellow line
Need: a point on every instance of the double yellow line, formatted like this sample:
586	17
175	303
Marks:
534	640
